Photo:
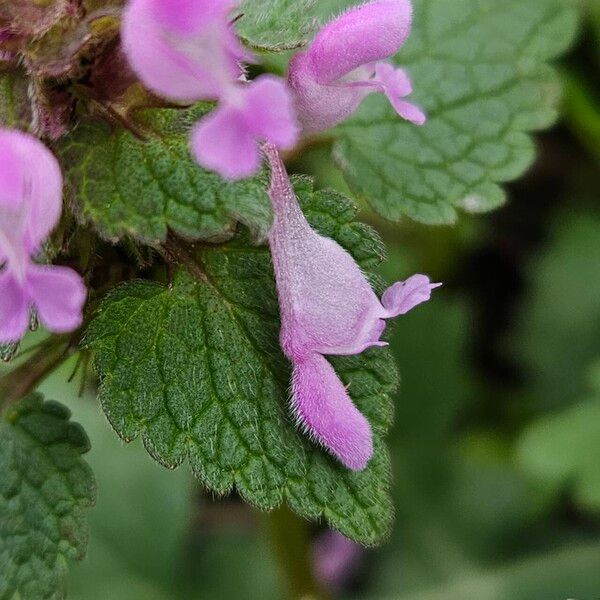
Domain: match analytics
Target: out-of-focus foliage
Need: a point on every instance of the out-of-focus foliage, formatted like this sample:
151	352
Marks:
558	330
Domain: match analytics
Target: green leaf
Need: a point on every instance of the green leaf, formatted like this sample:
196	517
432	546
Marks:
196	369
45	486
276	25
126	186
14	104
564	448
567	572
479	68
557	334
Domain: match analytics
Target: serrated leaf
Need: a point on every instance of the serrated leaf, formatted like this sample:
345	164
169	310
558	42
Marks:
479	68
564	448
45	486
196	370
276	25
126	186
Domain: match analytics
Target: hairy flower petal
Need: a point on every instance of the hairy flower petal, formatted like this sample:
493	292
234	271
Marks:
223	143
14	309
324	408
405	295
359	36
30	206
327	307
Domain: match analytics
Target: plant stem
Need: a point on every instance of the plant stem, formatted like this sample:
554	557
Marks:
582	112
26	377
291	545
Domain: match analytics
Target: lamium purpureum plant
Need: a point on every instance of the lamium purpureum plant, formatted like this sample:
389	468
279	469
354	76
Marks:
233	313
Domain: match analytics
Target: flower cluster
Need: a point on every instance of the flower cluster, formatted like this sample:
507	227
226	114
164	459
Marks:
187	50
30	207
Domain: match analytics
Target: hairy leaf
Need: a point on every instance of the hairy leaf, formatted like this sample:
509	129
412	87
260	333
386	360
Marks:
276	25
44	488
479	68
196	369
126	186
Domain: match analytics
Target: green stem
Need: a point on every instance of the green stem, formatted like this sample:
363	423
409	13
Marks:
582	112
291	544
25	378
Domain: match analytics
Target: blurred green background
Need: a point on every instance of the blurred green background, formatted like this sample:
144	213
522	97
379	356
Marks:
496	446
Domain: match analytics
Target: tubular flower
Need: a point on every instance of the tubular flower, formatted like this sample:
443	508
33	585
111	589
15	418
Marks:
342	65
187	50
327	307
30	207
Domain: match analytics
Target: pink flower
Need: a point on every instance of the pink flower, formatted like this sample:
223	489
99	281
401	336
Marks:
183	49
30	207
327	307
187	50
227	140
341	67
335	559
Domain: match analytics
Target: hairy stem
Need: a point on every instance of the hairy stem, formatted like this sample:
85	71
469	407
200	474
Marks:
291	545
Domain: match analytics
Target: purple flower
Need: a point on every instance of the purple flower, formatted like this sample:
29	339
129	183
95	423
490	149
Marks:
341	67
183	49
335	558
30	207
227	140
187	50
327	307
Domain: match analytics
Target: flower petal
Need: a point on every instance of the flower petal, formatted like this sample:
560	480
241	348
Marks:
14	309
396	84
327	305
269	111
30	190
362	35
223	143
405	295
187	17
324	408
179	49
58	294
